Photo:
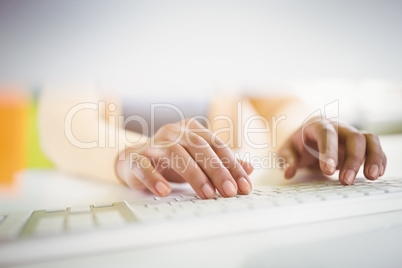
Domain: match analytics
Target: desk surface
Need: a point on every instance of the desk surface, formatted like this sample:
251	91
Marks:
48	188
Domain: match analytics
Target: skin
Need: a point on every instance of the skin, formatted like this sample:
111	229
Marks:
319	144
336	146
224	174
340	146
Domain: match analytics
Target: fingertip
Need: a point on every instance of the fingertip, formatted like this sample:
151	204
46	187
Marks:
208	191
229	188
289	171
162	189
373	172
244	186
348	177
329	166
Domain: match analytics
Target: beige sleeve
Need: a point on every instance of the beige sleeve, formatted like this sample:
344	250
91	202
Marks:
81	132
279	115
285	114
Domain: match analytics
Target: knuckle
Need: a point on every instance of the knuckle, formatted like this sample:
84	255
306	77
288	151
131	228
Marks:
173	149
357	136
372	136
193	123
167	129
197	140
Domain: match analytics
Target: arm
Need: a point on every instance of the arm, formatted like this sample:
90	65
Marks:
80	134
75	132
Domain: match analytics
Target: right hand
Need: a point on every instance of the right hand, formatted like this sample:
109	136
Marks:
190	154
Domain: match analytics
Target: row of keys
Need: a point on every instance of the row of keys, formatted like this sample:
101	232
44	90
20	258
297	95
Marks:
64	220
265	197
80	218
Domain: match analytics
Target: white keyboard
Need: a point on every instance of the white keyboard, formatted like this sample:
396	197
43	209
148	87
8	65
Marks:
93	217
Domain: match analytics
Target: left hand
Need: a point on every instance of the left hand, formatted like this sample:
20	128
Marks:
329	146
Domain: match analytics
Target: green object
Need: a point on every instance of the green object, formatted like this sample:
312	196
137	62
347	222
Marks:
35	159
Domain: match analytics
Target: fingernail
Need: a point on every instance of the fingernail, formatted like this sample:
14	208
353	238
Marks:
162	189
330	165
228	188
373	171
208	191
244	185
349	176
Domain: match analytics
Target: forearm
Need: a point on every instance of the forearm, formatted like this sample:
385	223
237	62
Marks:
285	115
77	136
258	124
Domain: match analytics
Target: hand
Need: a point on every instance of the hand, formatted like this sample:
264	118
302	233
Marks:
185	152
330	147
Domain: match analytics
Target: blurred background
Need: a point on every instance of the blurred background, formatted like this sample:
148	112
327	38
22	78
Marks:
321	51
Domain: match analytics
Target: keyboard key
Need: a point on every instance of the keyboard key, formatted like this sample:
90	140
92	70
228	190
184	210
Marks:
50	225
236	206
56	209
354	194
103	205
80	209
331	196
210	208
11	225
181	212
285	201
109	218
81	221
309	199
187	206
394	189
259	204
374	191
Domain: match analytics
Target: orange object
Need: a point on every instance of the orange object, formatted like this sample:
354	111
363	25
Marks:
14	105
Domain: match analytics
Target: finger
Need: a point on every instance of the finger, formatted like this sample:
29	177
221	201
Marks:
355	149
374	157
290	156
384	165
324	134
210	163
144	172
248	167
184	165
228	159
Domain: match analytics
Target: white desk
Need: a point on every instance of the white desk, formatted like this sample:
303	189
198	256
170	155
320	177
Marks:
44	189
